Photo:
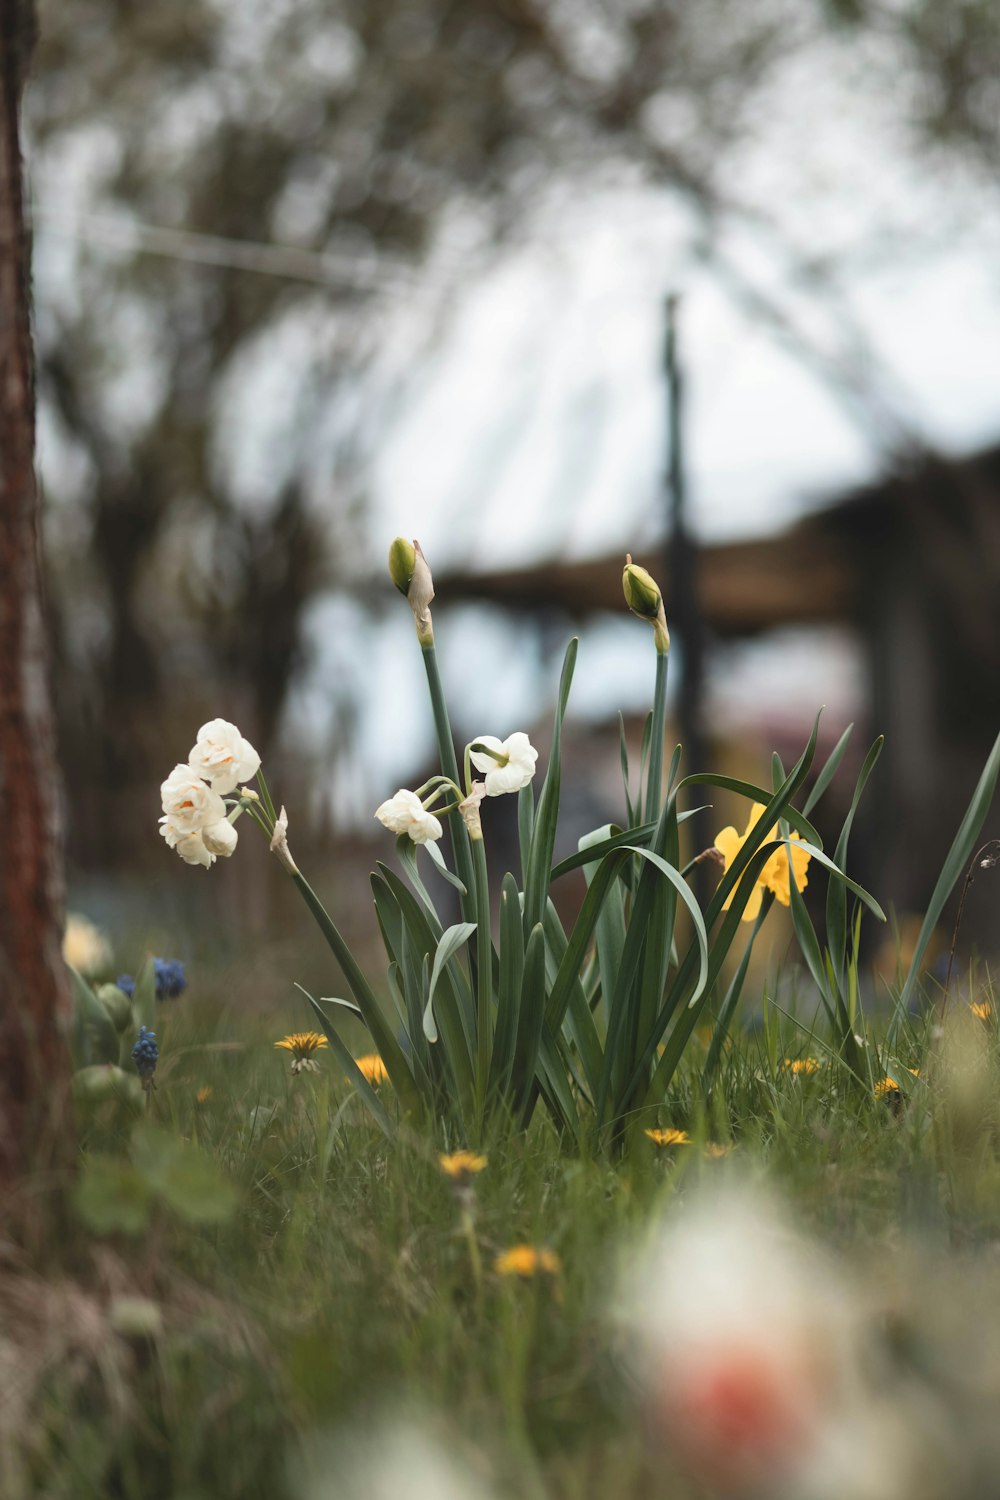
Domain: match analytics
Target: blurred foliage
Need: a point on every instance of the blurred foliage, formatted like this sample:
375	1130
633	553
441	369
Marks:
340	144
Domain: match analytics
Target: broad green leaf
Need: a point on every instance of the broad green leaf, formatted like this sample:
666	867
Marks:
187	1179
94	1038
452	939
112	1197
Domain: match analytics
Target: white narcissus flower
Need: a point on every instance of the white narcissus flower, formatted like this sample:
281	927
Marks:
189	845
188	804
223	757
515	768
220	838
405	813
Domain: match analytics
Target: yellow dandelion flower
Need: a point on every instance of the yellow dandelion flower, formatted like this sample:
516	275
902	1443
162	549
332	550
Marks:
303	1044
203	1095
715	1151
668	1137
981	1009
461	1165
373	1068
802	1064
774	876
527	1261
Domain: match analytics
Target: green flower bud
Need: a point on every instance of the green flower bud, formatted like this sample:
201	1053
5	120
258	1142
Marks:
402	563
103	1082
642	592
117	1004
643	597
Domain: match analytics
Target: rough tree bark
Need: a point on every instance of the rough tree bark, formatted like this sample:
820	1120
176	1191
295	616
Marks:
35	1072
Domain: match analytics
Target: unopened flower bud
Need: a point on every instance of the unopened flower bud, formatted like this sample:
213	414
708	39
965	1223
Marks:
409	572
117	1004
103	1082
402	563
643	597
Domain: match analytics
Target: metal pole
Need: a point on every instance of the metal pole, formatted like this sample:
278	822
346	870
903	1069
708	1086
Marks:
683	611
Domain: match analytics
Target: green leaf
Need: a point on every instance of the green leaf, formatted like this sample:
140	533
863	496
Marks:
797	819
388	1048
144	999
94	1038
437	860
531	1014
345	1057
838	873
509	987
112	1197
962	849
543	836
452	939
836	895
829	770
183	1175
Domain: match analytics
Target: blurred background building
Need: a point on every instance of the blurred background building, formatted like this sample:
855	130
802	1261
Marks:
314	272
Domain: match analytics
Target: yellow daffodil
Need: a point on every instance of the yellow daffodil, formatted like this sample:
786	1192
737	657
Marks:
802	1064
461	1165
888	1086
373	1068
527	1261
668	1137
303	1044
774	876
715	1151
982	1009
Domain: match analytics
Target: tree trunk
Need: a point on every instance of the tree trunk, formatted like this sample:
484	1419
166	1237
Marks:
35	1071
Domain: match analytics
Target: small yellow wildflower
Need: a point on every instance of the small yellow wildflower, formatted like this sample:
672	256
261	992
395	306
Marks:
668	1137
527	1261
887	1086
461	1165
204	1094
373	1068
982	1009
802	1064
774	876
303	1044
715	1150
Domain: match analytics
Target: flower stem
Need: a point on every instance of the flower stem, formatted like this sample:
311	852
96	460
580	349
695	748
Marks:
449	765
484	974
654	785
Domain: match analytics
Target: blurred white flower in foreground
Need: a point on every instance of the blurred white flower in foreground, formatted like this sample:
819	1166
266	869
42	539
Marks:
222	757
85	947
511	766
388	1463
749	1353
405	813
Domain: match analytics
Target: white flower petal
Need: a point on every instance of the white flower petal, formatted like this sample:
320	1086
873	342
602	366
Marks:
486	762
220	838
222	756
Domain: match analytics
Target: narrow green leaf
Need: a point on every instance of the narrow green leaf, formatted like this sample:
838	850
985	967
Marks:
437	860
536	883
144	999
509	987
345	1057
836	894
756	794
531	1014
829	770
962	849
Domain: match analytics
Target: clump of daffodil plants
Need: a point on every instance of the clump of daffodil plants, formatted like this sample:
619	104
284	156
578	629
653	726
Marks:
588	1022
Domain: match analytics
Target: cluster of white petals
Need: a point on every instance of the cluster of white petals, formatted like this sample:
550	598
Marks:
515	768
222	757
194	820
405	813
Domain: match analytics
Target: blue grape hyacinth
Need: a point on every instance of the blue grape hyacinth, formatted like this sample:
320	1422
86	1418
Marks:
171	979
126	984
145	1055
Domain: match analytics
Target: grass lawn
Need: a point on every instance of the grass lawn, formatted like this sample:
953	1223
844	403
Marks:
206	1352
